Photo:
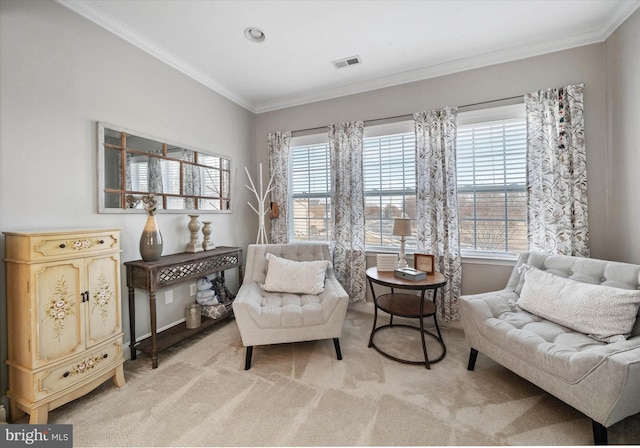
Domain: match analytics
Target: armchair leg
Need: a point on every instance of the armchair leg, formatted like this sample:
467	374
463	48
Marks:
336	344
247	361
599	433
473	355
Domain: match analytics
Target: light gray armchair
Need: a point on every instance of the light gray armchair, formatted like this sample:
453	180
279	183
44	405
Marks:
275	317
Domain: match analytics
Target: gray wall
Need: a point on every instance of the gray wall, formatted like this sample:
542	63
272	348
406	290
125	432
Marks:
59	74
623	101
585	64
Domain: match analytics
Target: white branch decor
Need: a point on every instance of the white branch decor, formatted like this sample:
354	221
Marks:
261	210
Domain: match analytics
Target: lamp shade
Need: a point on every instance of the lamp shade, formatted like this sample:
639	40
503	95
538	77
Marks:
402	227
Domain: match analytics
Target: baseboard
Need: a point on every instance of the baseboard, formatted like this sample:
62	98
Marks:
363	307
127	345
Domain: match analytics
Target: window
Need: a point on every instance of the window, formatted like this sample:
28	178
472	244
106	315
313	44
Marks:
310	188
491	176
389	169
389	183
491	169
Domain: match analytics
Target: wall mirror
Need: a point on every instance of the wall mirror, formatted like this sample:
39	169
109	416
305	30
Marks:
132	165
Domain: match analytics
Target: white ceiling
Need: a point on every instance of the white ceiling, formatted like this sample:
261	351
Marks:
398	41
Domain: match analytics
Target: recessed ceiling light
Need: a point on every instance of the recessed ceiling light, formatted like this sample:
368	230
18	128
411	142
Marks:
254	34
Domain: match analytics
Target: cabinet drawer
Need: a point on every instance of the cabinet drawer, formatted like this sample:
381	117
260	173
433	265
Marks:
82	368
60	245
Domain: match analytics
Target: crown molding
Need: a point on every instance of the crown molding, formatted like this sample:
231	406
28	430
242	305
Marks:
90	11
598	35
428	72
617	17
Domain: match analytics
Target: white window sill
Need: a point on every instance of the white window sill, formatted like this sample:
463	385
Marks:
486	259
501	260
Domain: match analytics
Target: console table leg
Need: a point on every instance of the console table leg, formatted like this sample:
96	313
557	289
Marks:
132	322
154	336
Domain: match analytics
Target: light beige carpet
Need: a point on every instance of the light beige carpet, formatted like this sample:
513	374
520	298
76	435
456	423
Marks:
301	395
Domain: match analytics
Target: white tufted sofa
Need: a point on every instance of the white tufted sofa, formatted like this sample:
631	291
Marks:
598	379
272	317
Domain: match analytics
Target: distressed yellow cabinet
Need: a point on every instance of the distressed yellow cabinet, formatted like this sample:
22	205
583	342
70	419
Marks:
63	317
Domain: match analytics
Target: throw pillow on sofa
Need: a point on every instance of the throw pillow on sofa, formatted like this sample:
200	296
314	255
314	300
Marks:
602	312
296	277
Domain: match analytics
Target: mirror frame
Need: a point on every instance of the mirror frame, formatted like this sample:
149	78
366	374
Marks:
102	126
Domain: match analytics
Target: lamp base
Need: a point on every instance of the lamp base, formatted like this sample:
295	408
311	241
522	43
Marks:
402	260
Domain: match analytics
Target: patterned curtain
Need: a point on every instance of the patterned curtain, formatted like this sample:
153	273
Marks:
437	203
347	211
278	146
557	172
129	199
191	180
154	180
155	176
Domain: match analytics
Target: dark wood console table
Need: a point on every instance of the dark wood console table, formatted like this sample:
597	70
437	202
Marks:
167	271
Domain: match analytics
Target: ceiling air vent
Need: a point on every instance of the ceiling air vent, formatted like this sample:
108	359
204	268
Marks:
347	62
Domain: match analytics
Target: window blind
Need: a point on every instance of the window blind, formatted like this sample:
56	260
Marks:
491	181
310	192
390	186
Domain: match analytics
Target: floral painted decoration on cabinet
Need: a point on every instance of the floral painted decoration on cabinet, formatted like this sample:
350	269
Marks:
102	296
60	306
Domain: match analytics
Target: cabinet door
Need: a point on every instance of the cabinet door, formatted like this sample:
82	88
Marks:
59	325
103	307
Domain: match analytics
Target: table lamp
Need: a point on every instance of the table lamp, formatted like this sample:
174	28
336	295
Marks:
402	228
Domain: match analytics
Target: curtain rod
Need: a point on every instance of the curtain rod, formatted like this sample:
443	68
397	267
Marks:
407	116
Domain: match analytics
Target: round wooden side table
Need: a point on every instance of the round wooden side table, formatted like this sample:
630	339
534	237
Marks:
406	305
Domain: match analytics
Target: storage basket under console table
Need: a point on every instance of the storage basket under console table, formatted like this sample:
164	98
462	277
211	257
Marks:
167	271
